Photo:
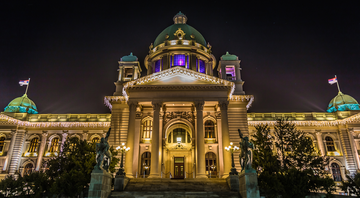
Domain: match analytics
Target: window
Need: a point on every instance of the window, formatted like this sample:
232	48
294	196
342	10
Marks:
329	144
209	129
33	145
147	130
2	143
335	169
158	66
73	142
129	72
28	169
145	162
179	135
54	145
95	140
230	73
201	66
210	161
179	60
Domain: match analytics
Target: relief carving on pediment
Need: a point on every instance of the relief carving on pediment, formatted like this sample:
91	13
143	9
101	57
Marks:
177	115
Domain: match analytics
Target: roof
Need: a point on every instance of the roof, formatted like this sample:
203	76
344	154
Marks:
129	58
343	102
21	104
229	57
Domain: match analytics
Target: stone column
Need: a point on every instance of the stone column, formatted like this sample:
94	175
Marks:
155	142
320	142
41	150
225	136
352	140
8	157
200	140
63	139
130	139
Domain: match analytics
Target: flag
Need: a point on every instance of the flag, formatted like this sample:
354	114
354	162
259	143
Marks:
24	82
332	80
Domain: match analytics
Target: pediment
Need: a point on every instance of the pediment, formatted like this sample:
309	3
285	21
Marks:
178	76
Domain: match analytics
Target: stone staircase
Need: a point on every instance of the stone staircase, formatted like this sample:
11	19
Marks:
166	188
16	154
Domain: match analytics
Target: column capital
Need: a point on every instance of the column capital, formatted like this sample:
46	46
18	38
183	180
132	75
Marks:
318	132
223	104
132	105
199	105
156	105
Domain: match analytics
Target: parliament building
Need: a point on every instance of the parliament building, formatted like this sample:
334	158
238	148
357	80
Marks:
177	119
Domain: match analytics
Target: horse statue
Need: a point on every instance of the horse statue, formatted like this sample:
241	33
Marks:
103	154
245	154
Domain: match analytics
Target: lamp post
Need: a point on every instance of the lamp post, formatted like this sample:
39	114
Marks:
232	149
145	167
123	149
212	168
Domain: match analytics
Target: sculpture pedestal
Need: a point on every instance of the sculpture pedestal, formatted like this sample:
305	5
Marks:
100	184
233	182
249	184
120	182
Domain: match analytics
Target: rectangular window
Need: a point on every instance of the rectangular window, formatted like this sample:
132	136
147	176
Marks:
202	68
230	72
179	60
158	66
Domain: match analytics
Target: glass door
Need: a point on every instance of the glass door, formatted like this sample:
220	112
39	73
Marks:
179	170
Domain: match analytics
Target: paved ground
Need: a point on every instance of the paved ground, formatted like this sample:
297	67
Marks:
164	188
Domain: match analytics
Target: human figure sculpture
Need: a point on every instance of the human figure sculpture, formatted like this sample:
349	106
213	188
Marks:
245	154
103	154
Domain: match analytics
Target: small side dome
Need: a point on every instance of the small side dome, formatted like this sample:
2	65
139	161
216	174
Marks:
21	104
129	58
180	18
343	102
229	57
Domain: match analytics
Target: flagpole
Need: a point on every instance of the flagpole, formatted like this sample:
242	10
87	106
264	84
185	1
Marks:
27	86
337	83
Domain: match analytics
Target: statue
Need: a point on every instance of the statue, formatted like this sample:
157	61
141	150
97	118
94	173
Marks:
245	154
103	154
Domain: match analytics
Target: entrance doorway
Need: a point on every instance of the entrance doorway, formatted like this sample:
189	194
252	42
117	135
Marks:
179	170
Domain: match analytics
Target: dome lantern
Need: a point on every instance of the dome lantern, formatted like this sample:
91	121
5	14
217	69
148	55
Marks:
180	18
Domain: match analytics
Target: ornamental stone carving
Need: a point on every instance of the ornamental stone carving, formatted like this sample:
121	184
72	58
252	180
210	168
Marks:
178	114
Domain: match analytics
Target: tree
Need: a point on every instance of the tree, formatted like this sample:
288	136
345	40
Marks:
70	171
352	184
287	162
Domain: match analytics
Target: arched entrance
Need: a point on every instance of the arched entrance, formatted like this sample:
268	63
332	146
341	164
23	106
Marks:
145	164
210	164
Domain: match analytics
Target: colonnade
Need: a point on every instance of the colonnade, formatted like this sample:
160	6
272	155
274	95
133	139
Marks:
155	171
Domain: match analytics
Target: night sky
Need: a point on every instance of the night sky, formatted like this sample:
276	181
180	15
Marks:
287	51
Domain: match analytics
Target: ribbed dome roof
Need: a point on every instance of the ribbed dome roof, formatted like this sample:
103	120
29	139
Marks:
168	33
129	58
21	104
229	57
343	102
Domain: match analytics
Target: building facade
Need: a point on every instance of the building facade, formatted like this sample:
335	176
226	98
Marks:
177	119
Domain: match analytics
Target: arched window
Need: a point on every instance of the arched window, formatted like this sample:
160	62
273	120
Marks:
210	163
2	143
145	162
33	145
95	140
147	130
209	129
335	169
54	145
28	169
329	144
73	142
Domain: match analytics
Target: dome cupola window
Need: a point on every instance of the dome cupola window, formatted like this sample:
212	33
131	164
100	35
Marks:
201	66
157	66
179	60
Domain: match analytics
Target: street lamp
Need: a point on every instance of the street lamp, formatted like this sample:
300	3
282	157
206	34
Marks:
232	149
145	167
212	168
123	149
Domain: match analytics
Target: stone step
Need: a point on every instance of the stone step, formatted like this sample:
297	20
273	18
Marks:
141	187
172	194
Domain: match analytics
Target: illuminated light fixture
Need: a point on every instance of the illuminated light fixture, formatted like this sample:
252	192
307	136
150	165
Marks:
210	147
178	139
147	147
185	42
173	42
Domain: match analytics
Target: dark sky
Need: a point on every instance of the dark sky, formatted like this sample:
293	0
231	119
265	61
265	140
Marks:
70	51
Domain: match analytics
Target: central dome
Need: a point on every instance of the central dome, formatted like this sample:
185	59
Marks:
179	23
21	104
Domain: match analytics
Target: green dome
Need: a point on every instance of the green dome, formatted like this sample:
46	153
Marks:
188	30
229	57
343	102
21	104
129	58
